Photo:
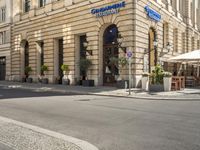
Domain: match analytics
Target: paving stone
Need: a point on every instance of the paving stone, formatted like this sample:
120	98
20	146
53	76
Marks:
21	138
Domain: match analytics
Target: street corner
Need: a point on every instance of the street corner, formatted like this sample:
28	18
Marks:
22	136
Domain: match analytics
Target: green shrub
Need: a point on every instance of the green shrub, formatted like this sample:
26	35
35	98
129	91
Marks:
157	75
85	64
65	67
28	69
44	68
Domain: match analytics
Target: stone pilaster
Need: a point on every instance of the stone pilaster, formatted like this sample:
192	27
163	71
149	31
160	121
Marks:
194	14
188	13
69	2
169	6
178	15
8	11
34	4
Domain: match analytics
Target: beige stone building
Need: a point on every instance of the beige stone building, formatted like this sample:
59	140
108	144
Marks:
5	42
64	31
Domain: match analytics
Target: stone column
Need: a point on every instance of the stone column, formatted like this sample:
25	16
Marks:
34	4
8	11
159	1
178	9
16	10
188	13
195	14
198	14
169	6
69	2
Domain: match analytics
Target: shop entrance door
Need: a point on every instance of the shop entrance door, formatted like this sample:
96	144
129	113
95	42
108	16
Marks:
110	66
60	59
110	55
2	68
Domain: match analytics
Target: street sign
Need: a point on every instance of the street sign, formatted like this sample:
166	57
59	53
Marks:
129	54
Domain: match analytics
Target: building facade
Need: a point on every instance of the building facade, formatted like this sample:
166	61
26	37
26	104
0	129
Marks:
64	31
5	38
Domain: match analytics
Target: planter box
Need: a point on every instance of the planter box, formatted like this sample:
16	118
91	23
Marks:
65	81
88	82
45	81
122	84
167	83
145	83
156	88
29	80
23	80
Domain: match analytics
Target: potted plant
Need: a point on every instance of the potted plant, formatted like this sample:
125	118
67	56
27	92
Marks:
157	79
145	81
28	70
65	79
23	79
44	70
85	64
57	80
167	79
121	83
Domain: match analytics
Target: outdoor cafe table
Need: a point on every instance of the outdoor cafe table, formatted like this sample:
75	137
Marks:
180	80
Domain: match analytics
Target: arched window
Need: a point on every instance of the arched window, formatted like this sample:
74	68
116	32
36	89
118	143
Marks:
110	35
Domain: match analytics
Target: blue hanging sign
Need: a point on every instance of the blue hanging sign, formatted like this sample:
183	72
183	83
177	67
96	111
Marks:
153	14
108	10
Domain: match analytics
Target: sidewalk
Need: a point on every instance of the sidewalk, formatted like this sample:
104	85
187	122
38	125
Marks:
22	136
186	94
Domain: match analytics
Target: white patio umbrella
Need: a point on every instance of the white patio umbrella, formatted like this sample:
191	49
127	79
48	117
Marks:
192	57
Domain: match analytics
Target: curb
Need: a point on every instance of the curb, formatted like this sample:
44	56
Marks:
52	89
84	145
122	96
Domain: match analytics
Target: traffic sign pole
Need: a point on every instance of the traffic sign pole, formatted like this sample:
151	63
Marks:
129	54
129	75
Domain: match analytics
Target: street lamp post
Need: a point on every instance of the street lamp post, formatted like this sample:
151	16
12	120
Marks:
85	44
169	46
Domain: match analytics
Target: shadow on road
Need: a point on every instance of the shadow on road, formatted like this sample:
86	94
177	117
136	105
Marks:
9	93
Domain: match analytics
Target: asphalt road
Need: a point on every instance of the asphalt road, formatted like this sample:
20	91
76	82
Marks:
109	123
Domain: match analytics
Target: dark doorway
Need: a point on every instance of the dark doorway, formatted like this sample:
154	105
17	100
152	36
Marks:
60	59
152	50
26	57
110	54
82	55
2	68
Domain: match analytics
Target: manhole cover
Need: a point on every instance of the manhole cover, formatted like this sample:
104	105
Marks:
83	100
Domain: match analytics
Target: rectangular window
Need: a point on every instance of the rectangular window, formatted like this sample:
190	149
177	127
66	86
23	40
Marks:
193	43
42	53
3	14
3	37
183	43
165	26
27	6
42	3
198	44
175	39
82	48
